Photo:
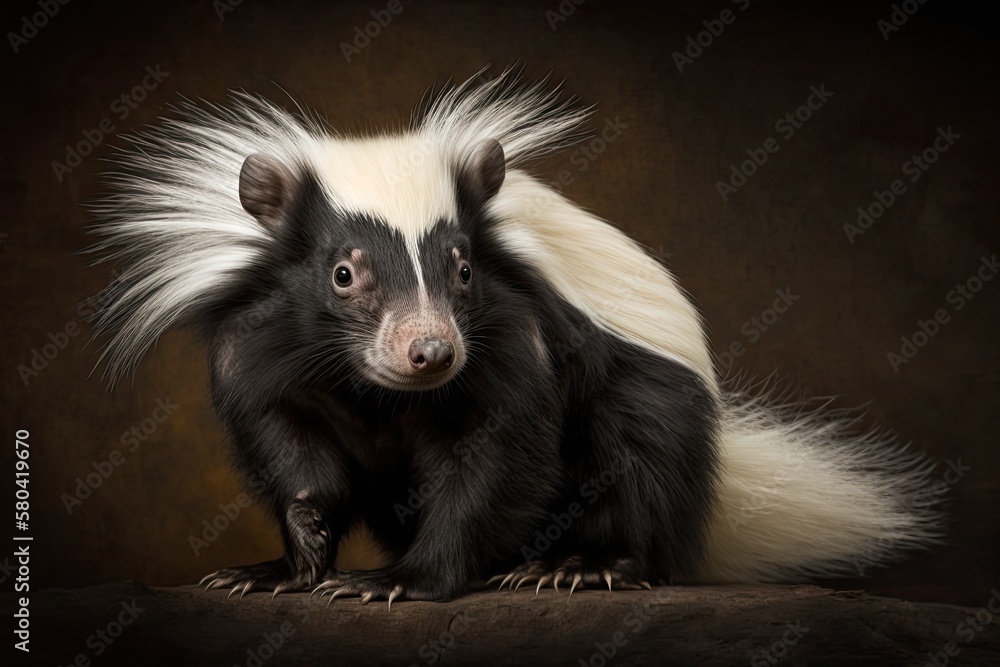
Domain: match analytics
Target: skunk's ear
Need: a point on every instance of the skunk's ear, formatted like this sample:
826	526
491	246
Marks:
266	188
483	173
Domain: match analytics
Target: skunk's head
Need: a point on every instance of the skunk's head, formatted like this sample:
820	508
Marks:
394	218
375	259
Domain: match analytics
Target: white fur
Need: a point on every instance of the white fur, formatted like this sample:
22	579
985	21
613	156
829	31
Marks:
798	495
601	271
176	222
802	495
358	173
528	121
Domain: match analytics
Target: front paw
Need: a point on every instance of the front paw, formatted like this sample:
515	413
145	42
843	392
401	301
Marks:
274	575
387	584
309	538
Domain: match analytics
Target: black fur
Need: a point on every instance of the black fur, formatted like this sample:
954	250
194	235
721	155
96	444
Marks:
612	445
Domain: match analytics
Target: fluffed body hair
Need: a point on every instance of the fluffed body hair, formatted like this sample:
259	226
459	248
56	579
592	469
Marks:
490	377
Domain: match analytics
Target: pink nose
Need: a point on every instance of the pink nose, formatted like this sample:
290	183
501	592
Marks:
430	354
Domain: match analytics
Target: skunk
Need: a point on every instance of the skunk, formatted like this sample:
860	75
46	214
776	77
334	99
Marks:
408	330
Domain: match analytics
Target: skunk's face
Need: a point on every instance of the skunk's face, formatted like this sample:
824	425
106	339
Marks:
402	317
383	273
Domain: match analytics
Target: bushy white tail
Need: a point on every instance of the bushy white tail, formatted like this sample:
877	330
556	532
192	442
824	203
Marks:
800	496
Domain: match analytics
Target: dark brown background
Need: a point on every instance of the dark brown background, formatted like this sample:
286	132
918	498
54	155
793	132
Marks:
783	229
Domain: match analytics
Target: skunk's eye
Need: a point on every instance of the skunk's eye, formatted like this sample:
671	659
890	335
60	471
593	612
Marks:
465	273
342	276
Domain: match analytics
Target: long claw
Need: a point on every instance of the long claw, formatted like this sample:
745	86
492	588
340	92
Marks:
279	589
393	594
576	580
645	584
526	580
214	575
544	581
334	595
509	577
211	584
329	583
235	588
367	597
607	578
495	579
247	588
560	575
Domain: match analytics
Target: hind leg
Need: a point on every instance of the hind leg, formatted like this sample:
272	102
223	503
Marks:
576	571
603	538
643	460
